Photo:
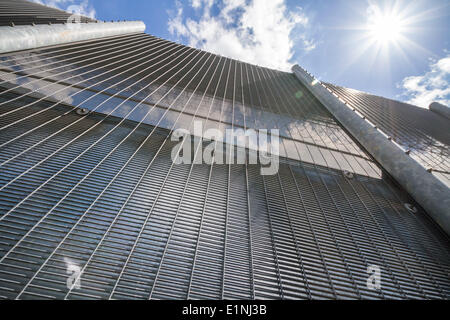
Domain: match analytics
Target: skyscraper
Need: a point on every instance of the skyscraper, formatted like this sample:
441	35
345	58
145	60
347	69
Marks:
93	207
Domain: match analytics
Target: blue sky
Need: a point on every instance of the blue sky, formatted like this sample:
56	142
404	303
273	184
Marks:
393	48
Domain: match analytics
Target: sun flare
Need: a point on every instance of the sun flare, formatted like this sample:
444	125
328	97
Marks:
385	27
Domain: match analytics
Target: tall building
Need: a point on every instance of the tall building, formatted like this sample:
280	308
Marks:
93	207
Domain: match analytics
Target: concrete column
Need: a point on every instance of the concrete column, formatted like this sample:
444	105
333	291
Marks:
440	109
426	189
30	37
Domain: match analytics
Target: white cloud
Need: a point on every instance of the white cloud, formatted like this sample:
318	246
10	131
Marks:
81	7
196	3
256	31
432	86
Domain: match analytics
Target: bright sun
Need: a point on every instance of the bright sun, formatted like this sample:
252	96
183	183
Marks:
385	27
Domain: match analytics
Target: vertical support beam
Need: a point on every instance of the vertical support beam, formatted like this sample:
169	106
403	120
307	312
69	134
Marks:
440	109
427	190
32	37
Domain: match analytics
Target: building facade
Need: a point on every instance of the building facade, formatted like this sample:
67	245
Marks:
93	207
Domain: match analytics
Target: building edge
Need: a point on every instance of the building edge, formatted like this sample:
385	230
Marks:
440	109
18	38
426	189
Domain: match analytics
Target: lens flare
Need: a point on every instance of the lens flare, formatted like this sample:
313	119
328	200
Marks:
385	27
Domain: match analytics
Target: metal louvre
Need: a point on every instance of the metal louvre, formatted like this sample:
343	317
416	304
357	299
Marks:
422	132
150	82
100	192
23	12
